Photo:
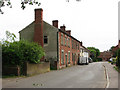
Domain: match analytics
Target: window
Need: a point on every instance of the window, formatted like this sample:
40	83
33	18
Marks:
65	40
68	57
62	57
78	46
72	44
45	40
68	42
62	38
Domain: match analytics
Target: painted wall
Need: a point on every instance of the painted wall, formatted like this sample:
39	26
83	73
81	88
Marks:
27	33
50	48
48	30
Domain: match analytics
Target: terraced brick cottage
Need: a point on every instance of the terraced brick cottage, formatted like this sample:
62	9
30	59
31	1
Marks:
60	47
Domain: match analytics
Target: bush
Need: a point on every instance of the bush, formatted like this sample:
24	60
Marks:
99	59
18	52
118	58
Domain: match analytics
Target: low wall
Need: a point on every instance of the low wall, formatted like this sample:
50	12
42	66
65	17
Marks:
11	70
32	69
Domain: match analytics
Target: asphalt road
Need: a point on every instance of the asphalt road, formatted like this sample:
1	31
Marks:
79	76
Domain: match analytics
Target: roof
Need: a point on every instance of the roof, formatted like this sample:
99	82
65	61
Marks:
69	35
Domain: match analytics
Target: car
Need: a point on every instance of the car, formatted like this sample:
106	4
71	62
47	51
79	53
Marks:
90	60
110	60
83	60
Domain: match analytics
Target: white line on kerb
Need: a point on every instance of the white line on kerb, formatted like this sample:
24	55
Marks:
107	77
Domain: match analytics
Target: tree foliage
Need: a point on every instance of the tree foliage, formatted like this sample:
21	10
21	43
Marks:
118	58
8	3
94	53
18	52
111	48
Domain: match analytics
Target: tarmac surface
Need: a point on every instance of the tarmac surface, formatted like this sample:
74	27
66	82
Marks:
79	76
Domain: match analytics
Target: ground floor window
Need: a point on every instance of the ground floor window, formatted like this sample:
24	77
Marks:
62	57
68	57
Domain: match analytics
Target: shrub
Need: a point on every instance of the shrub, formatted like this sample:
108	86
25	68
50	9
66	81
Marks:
99	59
118	58
18	52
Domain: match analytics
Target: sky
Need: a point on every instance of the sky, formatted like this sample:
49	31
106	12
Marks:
94	22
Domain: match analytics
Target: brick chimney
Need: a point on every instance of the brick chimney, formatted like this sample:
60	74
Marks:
55	23
69	32
38	27
81	43
62	27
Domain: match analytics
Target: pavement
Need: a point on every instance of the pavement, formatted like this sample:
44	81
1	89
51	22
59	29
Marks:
112	75
79	76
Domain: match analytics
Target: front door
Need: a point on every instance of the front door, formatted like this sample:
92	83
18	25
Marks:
66	59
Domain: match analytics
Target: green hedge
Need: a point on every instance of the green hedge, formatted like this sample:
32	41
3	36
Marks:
18	52
118	58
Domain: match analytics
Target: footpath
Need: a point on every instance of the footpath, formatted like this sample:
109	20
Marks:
112	75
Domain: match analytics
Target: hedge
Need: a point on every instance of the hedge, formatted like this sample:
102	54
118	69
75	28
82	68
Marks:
18	52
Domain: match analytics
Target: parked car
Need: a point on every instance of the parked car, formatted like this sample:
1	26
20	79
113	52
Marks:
90	60
110	60
83	60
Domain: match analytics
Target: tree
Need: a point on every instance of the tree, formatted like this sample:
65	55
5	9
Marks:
17	52
118	58
23	4
111	48
94	53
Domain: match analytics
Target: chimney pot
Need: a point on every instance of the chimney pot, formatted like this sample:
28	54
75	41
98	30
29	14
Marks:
69	32
81	43
62	27
55	23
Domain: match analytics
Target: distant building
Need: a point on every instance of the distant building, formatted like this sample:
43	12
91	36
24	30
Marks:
106	55
61	49
116	47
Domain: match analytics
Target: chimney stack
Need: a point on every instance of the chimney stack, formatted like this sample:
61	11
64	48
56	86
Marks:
81	43
62	27
69	32
38	27
55	23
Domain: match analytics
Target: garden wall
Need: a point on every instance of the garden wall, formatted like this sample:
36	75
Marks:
28	70
32	69
11	70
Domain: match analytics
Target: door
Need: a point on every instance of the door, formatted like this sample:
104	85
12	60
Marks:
66	59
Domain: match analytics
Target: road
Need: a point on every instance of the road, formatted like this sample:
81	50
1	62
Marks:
79	76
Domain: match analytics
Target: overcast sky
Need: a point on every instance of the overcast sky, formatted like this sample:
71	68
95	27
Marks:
94	22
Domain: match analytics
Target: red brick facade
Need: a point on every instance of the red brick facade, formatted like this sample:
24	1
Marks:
116	47
67	48
106	55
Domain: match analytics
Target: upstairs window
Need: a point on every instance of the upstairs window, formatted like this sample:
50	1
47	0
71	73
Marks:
61	38
45	40
65	40
68	42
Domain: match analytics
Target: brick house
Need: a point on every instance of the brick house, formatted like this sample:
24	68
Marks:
106	55
60	47
116	47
